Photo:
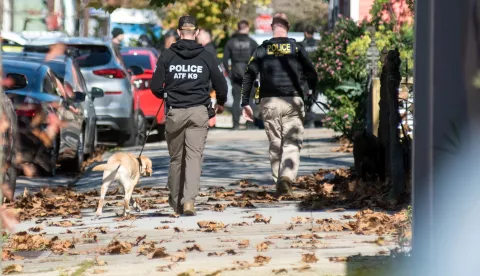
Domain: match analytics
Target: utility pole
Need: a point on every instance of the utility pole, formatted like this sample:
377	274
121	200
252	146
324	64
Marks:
86	17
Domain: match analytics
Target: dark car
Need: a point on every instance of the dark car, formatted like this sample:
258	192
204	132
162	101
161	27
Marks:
67	146
68	72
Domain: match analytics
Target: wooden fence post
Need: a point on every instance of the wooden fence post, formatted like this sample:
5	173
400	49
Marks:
397	170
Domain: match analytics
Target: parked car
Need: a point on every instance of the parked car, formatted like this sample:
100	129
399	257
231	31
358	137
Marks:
68	72
12	42
102	66
33	77
9	136
149	104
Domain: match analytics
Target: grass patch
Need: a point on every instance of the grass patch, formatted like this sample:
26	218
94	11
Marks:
84	266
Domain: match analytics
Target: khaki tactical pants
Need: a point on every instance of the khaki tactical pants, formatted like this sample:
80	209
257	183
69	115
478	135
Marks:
283	119
186	134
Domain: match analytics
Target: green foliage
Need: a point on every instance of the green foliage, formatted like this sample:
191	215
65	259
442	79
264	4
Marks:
342	75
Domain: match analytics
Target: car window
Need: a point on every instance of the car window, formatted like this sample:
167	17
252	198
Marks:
92	55
48	86
137	60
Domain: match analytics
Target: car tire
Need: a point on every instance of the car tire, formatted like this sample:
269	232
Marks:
94	145
75	165
139	132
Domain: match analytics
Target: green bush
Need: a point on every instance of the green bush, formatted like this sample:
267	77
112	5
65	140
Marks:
342	76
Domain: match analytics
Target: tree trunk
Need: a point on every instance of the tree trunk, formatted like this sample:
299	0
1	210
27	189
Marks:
1	106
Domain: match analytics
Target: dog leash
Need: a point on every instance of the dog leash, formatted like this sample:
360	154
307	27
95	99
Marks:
148	134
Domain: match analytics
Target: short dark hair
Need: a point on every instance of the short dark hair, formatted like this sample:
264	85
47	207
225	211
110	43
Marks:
243	24
188	23
281	19
116	32
310	30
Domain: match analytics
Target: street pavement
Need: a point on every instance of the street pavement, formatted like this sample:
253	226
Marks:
229	156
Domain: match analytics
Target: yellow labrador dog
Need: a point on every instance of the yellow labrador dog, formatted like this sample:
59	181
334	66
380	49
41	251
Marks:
126	169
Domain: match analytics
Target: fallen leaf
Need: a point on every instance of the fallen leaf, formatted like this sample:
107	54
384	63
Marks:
98	271
210	226
244	223
195	247
302	220
163	227
124	226
279	271
290	227
308	236
178	230
309	258
231	252
159	253
219	207
64	223
380	241
215	273
146	249
262	259
261	247
117	247
276	237
14	268
302	268
215	254
7	255
179	257
36	229
337	259
244	244
127	217
174	215
190	272
139	239
383	252
260	218
189	241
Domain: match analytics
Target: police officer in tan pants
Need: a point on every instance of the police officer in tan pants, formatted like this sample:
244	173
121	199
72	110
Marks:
184	72
282	63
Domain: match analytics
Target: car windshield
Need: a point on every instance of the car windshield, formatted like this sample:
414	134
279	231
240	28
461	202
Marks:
92	55
137	60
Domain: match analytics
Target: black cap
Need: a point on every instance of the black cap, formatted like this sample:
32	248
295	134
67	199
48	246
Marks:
187	22
281	18
116	32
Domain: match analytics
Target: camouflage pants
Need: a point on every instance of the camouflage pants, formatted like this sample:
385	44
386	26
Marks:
283	118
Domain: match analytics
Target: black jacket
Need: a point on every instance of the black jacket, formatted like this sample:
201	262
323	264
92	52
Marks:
310	44
283	64
239	49
184	71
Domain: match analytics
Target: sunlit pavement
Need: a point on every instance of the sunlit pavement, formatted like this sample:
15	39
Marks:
229	156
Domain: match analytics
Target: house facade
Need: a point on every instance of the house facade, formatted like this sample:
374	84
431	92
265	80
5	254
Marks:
360	9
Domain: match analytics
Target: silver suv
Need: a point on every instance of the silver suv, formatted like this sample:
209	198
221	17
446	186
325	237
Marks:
102	66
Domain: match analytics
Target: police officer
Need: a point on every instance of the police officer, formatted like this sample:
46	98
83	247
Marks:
238	49
309	43
183	73
280	62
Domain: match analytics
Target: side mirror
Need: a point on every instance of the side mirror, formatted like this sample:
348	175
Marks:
135	70
96	92
79	97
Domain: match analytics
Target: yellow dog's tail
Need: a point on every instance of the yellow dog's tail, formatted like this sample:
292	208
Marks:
100	168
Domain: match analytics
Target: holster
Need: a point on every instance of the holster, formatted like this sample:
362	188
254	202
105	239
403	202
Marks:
211	111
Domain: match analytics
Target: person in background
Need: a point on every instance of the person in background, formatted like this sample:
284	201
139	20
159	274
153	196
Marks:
281	62
309	43
238	50
117	38
169	38
205	38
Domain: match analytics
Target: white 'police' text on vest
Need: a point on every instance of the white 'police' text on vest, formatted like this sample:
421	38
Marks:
186	71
